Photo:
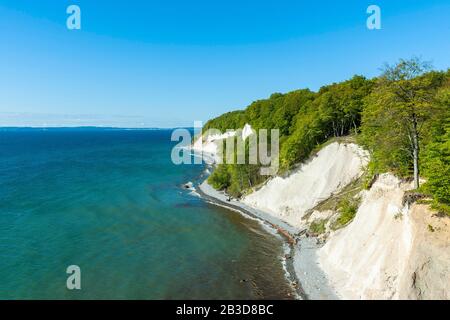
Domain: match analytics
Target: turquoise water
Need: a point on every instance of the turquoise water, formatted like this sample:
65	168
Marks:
112	202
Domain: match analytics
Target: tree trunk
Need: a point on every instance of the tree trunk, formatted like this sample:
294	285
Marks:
416	153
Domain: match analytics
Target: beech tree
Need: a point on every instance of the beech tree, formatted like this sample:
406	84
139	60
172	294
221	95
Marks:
401	103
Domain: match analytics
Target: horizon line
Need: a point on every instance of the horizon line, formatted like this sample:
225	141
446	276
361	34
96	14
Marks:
94	127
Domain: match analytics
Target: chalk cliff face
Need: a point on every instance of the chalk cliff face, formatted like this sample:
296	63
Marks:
335	166
209	144
389	251
365	260
427	273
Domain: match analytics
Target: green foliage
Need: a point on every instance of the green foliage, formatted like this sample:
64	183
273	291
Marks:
335	111
220	179
436	155
385	114
347	208
397	113
305	119
406	104
236	178
442	208
318	227
229	120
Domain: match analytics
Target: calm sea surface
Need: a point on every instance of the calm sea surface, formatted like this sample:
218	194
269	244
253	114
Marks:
112	202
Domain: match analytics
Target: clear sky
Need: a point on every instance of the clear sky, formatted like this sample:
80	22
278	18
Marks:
169	62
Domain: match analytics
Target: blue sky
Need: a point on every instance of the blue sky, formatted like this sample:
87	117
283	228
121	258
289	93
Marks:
168	63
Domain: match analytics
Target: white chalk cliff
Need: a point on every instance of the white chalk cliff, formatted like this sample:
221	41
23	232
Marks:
209	144
334	167
388	250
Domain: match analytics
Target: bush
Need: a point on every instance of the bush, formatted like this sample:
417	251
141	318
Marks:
220	179
318	227
347	208
442	208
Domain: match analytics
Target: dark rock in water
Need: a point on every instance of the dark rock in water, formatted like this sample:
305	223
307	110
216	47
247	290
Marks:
189	185
288	256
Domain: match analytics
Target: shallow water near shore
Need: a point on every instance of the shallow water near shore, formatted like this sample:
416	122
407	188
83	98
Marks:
112	202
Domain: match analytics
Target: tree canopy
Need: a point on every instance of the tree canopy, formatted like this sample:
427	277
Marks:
401	118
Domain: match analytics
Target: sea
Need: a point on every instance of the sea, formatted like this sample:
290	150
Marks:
112	203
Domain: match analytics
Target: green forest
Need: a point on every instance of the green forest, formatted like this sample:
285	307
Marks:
401	117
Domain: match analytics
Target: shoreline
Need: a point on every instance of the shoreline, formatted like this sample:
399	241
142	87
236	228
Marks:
305	276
